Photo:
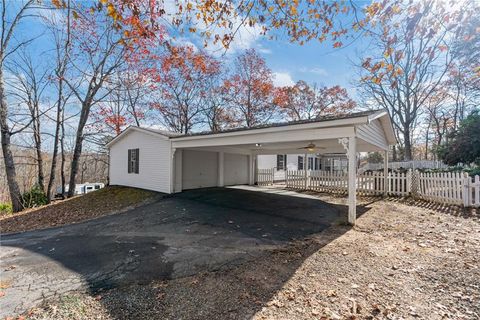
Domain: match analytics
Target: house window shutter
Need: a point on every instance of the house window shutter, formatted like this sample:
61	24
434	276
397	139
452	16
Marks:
129	161
137	160
300	163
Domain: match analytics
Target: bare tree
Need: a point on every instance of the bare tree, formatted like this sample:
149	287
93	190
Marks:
99	52
7	47
61	35
28	88
414	56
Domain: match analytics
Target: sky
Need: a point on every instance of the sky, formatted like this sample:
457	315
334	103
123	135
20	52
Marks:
313	62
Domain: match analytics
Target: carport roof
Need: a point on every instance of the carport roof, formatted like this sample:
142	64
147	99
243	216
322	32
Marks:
337	120
288	123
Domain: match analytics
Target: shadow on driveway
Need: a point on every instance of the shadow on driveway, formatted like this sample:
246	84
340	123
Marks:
188	233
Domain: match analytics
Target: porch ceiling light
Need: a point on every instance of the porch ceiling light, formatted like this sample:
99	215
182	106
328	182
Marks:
258	144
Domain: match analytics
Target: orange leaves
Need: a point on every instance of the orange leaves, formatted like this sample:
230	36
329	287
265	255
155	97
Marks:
337	44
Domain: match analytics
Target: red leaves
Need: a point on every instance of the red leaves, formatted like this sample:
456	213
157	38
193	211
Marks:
250	89
304	102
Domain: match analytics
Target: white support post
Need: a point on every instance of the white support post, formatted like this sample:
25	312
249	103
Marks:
251	169
305	170
350	144
385	173
352	177
221	169
178	164
173	175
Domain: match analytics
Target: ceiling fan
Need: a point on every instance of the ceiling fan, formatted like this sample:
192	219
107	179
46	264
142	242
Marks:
311	147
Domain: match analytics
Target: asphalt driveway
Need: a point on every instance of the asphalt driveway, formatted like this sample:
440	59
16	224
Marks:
187	233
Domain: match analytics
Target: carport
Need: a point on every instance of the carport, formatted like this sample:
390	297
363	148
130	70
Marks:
229	157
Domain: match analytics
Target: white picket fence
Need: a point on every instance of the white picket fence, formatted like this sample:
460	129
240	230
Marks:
448	188
265	177
370	183
414	164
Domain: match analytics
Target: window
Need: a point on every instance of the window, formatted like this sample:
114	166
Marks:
300	163
133	160
318	165
310	163
281	161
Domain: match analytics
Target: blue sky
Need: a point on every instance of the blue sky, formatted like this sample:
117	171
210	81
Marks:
314	62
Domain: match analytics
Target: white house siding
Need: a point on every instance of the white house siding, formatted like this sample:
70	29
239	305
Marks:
373	133
154	162
235	169
270	161
200	169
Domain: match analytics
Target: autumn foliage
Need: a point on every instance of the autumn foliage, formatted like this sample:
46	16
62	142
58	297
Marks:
250	90
181	84
303	102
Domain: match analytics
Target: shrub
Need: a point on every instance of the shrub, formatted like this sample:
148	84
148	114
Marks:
5	208
34	197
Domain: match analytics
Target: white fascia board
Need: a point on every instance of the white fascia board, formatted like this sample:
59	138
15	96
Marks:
247	137
293	127
139	129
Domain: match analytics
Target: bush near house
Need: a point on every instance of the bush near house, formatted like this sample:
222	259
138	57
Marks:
463	146
472	171
35	197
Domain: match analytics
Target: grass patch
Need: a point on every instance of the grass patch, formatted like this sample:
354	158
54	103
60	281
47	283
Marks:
5	209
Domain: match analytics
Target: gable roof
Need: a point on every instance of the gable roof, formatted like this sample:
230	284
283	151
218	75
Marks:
356	118
159	133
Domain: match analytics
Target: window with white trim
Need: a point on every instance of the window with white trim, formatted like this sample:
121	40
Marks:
133	160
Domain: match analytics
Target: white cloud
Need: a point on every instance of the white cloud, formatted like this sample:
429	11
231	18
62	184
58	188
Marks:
245	37
264	50
282	79
315	70
319	71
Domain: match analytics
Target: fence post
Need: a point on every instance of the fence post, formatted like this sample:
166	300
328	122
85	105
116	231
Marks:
466	190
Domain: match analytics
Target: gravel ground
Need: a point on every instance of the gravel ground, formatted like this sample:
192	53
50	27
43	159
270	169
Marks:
403	260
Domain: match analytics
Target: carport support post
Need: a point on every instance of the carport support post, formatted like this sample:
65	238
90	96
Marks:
221	170
385	172
251	169
352	177
350	144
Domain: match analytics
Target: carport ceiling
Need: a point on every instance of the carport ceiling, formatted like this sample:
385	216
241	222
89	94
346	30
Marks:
298	147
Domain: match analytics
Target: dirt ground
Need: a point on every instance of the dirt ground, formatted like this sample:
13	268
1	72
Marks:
403	260
80	208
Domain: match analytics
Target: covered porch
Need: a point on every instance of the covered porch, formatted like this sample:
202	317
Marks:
229	157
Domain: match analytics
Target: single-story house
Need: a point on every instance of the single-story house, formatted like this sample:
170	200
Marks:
169	162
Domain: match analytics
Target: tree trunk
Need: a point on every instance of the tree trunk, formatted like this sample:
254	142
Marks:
407	153
77	151
38	148
62	150
53	168
13	188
